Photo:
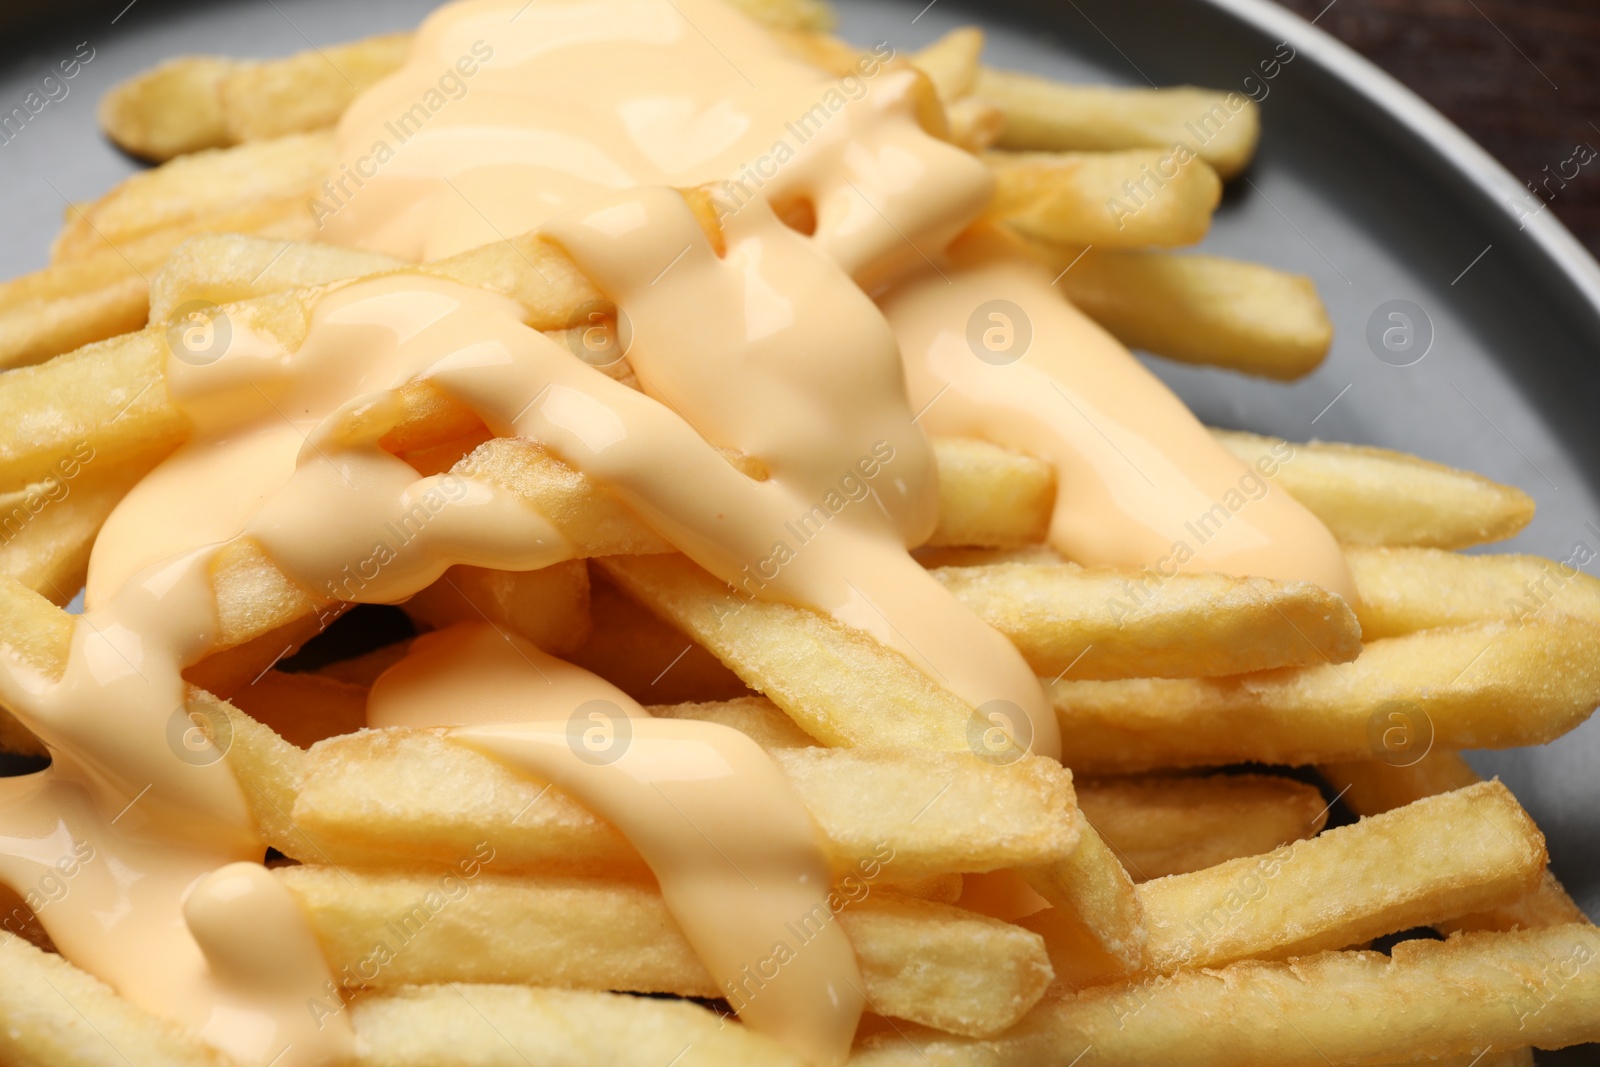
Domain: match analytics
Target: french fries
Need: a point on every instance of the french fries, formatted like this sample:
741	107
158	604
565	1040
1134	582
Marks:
1427	999
1070	620
920	961
1220	128
1422	503
1195	918
358	800
1490	685
193	187
1437	858
1129	199
1200	309
1171	824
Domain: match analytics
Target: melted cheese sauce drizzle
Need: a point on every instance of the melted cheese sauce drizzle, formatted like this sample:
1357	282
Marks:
573	115
1139	481
736	875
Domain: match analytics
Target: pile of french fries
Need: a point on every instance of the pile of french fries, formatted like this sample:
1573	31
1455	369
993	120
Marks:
1197	916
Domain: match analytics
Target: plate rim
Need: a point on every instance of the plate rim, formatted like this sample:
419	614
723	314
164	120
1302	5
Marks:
1494	186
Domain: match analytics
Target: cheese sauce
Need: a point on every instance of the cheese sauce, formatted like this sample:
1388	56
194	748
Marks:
574	117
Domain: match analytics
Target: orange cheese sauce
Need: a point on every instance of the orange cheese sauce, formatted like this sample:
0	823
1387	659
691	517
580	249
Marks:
575	118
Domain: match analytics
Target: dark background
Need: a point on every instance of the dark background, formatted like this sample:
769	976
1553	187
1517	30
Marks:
1521	77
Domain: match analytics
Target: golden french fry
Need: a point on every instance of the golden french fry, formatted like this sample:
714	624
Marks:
1429	999
1097	623
225	268
1095	910
807	663
974	125
1490	685
1372	496
108	398
192	187
514	1026
921	961
1133	198
989	495
1372	787
53	1013
1221	128
1437	858
386	798
306	91
1200	309
1174	825
550	606
1408	589
951	62
168	110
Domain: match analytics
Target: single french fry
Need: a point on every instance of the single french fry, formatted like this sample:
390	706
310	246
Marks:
1429	999
168	110
1221	128
53	1013
1095	911
1133	198
650	659
808	664
1490	685
1372	496
991	496
549	607
951	62
1095	623
514	1026
1408	589
1373	786
1436	858
108	398
306	91
1175	825
1200	309
921	961
192	187
225	268
974	125
391	797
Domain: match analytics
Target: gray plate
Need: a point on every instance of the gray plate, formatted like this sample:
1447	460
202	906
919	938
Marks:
1358	184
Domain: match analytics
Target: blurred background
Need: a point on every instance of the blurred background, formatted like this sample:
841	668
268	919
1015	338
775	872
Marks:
1521	77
